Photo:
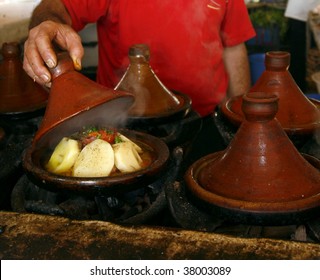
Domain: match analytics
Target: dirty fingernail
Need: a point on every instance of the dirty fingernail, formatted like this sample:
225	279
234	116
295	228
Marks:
77	64
45	78
50	63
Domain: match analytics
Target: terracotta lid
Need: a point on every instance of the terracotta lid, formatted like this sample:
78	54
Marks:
152	98
297	114
19	94
75	102
261	171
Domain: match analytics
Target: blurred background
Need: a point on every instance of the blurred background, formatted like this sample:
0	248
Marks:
268	17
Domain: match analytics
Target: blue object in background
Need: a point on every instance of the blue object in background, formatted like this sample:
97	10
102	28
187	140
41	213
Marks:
257	66
313	95
265	37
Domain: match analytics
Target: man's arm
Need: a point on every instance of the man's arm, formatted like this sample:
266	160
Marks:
50	25
237	65
49	10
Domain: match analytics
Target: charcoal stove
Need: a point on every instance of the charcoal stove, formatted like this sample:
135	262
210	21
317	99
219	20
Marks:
17	135
190	216
36	223
161	208
135	207
139	206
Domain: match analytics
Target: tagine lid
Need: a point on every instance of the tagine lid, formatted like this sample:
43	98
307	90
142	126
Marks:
153	100
260	171
297	113
19	94
75	102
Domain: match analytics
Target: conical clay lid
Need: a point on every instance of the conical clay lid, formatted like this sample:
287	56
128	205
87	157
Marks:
75	101
19	94
261	170
152	97
297	114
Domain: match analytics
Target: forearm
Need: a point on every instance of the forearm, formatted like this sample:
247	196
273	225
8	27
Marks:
237	65
50	10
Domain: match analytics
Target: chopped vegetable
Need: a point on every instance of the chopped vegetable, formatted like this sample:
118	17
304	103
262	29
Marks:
103	134
95	160
126	157
64	156
97	152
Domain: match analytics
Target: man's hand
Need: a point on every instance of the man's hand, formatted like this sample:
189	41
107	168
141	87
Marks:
39	53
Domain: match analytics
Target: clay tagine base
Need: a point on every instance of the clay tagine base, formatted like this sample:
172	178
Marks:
260	178
246	212
36	156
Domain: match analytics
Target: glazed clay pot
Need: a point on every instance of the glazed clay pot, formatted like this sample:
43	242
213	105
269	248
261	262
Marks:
37	155
75	102
260	178
297	114
19	94
153	101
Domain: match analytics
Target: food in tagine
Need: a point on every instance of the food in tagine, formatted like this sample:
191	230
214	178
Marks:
98	152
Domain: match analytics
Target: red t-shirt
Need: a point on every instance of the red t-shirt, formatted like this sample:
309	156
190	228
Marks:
186	40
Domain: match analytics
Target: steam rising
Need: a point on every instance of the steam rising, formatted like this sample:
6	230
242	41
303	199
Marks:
111	114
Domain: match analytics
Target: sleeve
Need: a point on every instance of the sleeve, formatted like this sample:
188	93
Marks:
236	26
83	12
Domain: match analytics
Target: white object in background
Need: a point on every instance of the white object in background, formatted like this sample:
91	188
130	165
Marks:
14	19
316	10
299	9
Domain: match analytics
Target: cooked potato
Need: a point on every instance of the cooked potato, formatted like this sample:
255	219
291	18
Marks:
95	160
63	156
125	139
127	159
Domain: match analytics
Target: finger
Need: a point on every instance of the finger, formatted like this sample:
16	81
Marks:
40	39
36	70
71	41
76	53
29	71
